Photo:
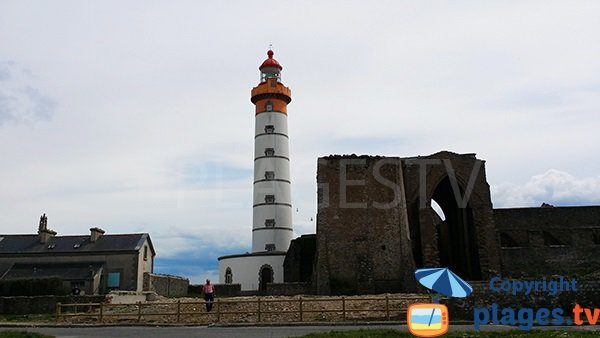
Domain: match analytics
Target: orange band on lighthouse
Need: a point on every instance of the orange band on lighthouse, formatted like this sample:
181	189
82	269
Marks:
276	105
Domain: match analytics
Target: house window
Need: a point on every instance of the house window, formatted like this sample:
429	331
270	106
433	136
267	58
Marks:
145	253
270	223
269	175
269	151
114	280
270	247
555	239
270	199
269	129
269	106
228	276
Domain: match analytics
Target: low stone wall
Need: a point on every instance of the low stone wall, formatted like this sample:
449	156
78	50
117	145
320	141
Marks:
23	305
587	295
130	297
221	290
228	290
166	285
288	289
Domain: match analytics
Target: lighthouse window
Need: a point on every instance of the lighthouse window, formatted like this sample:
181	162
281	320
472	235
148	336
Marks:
269	151
269	198
269	129
270	247
269	175
269	106
270	223
228	276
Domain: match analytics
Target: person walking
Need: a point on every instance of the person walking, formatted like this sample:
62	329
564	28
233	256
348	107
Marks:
209	294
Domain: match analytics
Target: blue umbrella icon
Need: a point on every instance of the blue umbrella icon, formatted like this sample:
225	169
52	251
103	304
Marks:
444	281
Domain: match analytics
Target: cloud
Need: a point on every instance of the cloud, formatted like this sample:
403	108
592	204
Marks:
155	131
554	187
20	102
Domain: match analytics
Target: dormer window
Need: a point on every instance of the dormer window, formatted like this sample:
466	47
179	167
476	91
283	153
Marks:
270	199
269	152
269	129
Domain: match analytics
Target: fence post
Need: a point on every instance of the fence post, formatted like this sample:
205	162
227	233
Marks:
300	300
259	309
178	310
343	308
218	304
101	310
58	316
387	306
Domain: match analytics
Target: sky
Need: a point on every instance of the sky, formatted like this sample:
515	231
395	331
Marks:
135	116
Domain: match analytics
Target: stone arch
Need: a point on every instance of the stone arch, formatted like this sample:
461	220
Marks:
456	237
466	240
265	275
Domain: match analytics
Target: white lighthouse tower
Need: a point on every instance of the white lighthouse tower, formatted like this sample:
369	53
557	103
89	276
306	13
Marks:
272	229
272	208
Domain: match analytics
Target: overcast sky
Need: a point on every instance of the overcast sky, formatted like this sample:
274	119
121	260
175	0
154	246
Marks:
135	116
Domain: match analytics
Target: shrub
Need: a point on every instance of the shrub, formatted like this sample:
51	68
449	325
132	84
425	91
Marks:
33	287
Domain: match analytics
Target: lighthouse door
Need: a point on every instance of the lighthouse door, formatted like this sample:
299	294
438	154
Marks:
265	276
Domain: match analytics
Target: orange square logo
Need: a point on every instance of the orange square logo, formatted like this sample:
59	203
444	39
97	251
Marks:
427	320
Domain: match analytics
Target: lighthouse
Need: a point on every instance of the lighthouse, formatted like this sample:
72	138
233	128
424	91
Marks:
272	202
272	229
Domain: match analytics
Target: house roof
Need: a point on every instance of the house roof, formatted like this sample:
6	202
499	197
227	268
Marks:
66	271
30	244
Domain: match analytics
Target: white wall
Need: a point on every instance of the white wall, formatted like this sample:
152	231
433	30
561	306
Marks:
280	237
277	120
143	265
246	269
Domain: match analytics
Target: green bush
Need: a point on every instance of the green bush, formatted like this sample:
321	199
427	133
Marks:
33	287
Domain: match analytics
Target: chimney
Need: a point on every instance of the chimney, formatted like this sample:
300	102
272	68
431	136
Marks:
95	234
45	235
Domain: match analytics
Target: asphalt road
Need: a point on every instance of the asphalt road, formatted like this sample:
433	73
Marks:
221	332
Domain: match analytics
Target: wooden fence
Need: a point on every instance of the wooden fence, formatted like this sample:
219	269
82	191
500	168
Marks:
297	309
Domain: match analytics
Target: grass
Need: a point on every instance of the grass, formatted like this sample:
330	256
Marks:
27	318
22	334
387	333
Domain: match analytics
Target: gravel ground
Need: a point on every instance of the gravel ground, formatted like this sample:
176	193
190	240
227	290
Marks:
274	309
